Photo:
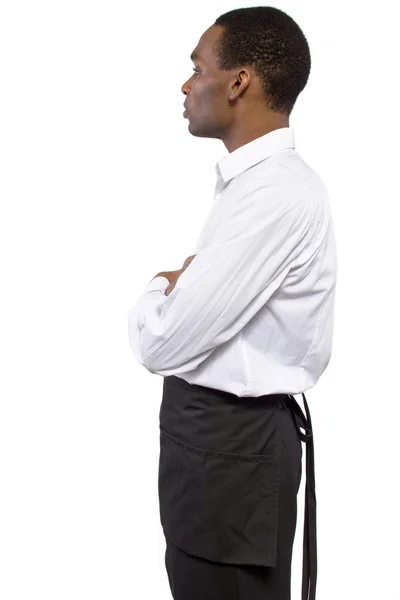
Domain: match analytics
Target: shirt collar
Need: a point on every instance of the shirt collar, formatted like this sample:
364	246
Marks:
254	152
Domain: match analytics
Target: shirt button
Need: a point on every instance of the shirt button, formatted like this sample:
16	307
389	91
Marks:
217	195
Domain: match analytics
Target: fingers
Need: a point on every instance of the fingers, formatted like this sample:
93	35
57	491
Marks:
171	286
188	261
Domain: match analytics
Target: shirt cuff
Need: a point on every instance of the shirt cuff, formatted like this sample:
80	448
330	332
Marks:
158	283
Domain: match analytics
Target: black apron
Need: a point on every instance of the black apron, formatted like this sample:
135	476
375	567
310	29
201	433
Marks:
219	475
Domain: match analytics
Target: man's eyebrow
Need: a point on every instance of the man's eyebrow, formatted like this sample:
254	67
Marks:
194	56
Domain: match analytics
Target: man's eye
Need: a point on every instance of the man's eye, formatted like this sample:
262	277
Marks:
195	70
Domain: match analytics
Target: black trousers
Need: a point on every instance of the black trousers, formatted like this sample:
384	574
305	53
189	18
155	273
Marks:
229	474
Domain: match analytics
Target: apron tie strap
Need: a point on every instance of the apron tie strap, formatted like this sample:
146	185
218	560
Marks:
309	580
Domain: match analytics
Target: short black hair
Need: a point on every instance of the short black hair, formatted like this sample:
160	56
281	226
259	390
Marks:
272	43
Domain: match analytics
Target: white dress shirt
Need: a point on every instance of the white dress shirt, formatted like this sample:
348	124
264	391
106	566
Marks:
253	312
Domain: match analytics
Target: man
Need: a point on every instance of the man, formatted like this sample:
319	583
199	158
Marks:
245	323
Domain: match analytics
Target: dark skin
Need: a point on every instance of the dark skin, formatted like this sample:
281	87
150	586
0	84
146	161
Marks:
173	276
226	105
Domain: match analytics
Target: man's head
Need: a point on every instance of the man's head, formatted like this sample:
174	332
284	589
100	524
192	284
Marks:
250	66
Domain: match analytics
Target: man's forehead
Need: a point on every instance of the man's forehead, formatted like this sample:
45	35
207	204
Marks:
204	49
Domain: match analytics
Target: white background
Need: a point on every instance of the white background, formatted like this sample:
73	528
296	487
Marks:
102	187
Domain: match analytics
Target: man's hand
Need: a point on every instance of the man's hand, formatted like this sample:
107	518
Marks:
172	283
170	275
173	276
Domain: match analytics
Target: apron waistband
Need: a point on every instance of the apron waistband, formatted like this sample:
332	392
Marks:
309	580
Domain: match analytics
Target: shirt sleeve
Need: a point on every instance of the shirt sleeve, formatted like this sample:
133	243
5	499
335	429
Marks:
149	300
224	286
